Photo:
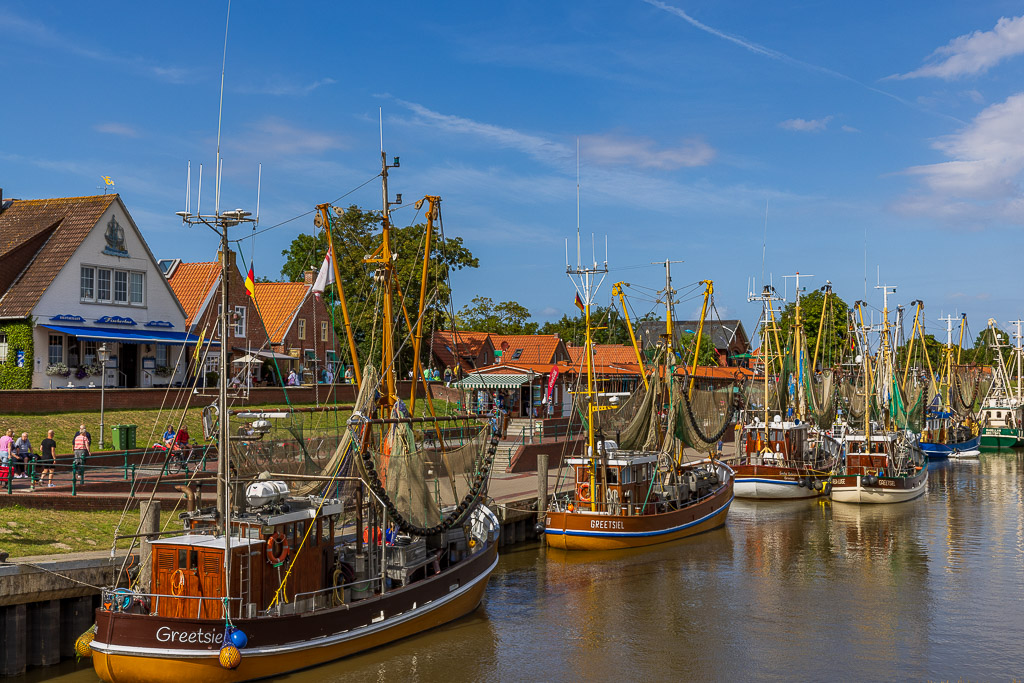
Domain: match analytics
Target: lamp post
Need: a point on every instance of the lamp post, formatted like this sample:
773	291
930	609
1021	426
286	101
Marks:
103	383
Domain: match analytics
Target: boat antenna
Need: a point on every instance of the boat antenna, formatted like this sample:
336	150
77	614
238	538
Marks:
380	121
578	263
764	240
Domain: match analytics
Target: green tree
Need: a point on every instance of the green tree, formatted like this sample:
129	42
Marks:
506	317
356	234
835	336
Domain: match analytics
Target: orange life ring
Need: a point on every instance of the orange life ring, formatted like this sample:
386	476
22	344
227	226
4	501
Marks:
178	582
583	491
277	538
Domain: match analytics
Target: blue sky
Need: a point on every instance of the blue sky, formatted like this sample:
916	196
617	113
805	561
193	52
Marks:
903	122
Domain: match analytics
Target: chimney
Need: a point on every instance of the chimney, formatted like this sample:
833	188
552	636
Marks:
309	276
231	258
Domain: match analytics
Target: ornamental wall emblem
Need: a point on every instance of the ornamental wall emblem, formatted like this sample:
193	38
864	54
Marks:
115	239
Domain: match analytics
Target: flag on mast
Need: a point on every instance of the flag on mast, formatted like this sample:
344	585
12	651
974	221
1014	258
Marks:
250	283
326	275
579	302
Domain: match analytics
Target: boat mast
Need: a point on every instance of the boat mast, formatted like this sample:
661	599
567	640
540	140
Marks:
884	364
384	258
1018	352
767	332
798	331
947	363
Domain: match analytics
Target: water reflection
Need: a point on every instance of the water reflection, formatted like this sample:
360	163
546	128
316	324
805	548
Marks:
789	590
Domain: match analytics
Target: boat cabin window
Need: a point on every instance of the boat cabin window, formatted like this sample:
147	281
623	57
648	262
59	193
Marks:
300	531
777	435
999	413
627	475
613	475
188	559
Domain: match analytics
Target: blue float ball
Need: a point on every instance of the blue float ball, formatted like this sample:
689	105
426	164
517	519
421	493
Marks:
238	638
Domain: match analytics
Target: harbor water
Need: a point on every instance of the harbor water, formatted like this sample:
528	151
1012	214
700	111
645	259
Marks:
931	589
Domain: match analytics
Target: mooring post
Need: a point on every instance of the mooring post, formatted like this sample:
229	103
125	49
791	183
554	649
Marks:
542	487
149	522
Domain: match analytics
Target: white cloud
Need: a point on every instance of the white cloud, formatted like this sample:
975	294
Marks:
616	150
850	129
274	136
604	150
974	53
114	128
284	87
805	125
982	178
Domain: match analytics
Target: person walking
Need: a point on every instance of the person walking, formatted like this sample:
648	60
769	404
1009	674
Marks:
81	448
48	448
23	455
88	436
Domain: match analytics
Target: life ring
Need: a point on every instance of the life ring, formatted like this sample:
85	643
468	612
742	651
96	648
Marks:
178	583
583	491
279	539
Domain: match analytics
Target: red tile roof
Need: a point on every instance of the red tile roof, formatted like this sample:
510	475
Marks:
192	283
37	238
277	303
531	348
468	344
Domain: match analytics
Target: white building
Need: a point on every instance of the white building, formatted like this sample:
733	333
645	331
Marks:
78	272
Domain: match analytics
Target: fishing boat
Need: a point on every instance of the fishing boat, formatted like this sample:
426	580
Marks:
785	458
291	570
1002	410
882	460
639	492
950	428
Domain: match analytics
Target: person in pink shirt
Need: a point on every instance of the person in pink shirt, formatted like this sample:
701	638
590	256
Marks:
6	445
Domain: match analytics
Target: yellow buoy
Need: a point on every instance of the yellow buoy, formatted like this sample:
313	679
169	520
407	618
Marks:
83	646
230	657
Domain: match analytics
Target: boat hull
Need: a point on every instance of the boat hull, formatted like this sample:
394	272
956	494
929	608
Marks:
765	482
583	530
137	647
850	488
942	451
1001	437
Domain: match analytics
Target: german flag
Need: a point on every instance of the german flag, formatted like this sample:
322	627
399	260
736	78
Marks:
579	302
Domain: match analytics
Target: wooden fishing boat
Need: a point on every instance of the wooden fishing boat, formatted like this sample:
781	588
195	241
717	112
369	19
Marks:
950	427
643	493
880	468
784	458
289	571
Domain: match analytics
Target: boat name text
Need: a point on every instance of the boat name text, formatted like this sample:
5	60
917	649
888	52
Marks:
166	635
605	524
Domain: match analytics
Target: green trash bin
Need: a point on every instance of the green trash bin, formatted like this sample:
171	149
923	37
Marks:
119	434
131	436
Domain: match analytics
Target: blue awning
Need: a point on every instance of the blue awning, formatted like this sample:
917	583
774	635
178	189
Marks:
151	336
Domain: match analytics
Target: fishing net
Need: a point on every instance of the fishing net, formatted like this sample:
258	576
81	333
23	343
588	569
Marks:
703	414
401	468
642	432
823	398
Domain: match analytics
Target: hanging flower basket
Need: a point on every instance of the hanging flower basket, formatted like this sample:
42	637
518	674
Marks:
58	370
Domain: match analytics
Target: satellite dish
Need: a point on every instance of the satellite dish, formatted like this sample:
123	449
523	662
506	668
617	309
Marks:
859	358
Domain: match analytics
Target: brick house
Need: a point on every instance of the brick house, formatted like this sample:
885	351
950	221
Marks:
299	326
728	336
197	286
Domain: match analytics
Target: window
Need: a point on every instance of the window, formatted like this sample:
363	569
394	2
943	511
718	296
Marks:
56	348
323	331
515	356
3	348
120	286
240	323
102	284
89	352
88	283
73	352
135	288
302	328
161	355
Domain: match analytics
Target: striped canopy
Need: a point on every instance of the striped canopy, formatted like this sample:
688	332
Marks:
495	381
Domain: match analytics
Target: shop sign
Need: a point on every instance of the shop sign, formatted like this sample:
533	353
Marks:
66	318
159	323
116	320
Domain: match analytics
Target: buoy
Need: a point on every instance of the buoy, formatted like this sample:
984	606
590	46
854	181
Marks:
230	657
238	638
818	486
800	483
83	646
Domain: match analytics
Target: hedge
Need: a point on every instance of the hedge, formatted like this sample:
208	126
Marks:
19	338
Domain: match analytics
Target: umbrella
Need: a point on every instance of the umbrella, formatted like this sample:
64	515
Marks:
248	358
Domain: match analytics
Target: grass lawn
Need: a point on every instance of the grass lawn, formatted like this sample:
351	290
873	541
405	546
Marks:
25	531
151	423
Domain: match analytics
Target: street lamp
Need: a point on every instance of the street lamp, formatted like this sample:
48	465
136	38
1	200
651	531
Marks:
103	383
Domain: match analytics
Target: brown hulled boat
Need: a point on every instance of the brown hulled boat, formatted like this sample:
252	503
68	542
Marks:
296	568
641	491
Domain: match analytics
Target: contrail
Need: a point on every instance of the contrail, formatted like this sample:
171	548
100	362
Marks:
782	57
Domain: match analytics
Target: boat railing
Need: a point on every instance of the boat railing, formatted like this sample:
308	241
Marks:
332	596
125	599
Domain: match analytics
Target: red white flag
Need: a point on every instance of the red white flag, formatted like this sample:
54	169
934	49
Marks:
326	274
552	378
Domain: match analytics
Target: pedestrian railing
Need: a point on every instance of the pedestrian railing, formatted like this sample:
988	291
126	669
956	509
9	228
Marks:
130	467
